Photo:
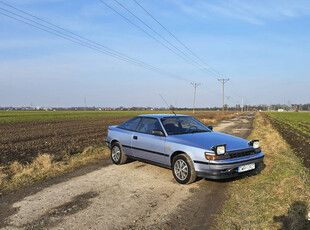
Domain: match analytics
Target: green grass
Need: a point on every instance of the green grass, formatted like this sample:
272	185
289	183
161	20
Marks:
295	129
31	116
25	116
296	120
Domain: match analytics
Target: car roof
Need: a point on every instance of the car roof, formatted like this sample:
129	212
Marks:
162	115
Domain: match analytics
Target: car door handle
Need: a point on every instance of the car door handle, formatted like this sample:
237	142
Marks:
135	137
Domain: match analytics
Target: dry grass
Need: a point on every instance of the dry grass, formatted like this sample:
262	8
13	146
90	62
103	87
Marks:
278	197
16	175
217	117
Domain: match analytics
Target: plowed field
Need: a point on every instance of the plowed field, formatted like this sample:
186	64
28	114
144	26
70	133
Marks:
295	129
23	137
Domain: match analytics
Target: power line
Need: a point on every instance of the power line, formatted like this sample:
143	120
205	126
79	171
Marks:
57	33
148	34
58	27
77	42
162	37
80	40
56	30
178	40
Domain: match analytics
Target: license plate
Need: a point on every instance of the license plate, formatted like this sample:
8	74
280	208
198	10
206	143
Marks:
244	168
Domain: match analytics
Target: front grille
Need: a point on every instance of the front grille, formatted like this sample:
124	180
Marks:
241	153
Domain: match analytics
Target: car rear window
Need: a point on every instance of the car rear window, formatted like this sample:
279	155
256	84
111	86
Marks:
131	125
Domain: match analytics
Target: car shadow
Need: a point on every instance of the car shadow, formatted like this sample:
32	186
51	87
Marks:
295	218
133	159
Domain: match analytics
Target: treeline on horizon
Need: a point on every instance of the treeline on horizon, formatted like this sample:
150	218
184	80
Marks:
263	107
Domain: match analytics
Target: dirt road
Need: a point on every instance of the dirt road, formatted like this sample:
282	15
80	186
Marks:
135	195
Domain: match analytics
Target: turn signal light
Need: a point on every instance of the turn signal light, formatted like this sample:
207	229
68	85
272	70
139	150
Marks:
211	157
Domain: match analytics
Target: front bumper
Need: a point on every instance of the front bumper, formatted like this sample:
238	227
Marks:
217	175
224	169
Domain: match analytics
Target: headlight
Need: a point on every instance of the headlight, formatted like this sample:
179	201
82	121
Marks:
219	149
254	143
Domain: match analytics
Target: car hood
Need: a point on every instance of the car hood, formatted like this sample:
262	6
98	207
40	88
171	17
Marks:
208	139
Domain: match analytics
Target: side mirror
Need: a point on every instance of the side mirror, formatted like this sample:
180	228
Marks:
210	127
158	133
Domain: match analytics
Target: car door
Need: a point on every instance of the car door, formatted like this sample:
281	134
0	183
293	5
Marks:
147	146
127	130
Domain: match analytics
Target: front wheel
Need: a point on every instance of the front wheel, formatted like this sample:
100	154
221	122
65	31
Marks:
117	154
183	169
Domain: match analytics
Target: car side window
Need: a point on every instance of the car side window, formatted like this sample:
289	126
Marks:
172	125
131	124
147	125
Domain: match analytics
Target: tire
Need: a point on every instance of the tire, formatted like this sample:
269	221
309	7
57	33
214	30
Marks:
188	174
118	156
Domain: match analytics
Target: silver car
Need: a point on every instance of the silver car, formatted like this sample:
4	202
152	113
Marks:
184	144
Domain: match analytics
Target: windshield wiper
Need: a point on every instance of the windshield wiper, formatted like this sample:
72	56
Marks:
199	131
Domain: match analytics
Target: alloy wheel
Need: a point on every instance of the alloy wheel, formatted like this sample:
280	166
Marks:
181	169
116	153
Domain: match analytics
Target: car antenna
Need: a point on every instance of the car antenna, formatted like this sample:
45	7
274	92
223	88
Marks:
167	104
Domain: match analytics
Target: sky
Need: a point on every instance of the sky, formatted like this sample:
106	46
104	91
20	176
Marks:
262	46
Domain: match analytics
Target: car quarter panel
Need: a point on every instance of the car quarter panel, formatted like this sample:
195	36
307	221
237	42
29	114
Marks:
123	136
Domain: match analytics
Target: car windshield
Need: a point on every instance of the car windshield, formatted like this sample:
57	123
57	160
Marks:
183	125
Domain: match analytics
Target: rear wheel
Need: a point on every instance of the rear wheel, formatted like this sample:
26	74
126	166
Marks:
117	154
183	169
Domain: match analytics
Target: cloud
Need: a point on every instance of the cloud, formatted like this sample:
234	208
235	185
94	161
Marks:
254	12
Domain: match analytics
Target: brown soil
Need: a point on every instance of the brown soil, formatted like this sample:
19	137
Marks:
24	141
298	141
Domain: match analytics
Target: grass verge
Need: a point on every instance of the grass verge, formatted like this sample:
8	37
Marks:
278	197
16	175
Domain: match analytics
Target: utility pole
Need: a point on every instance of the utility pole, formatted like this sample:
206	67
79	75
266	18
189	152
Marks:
242	105
223	81
85	103
227	97
195	84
